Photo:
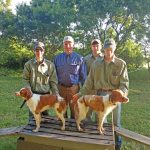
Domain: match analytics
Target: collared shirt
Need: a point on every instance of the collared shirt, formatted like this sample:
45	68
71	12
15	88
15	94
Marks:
41	77
103	75
71	69
89	59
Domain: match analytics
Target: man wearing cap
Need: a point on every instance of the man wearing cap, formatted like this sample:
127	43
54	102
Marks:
89	59
106	75
71	72
96	53
39	74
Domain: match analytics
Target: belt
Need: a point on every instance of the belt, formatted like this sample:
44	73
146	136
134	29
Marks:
68	86
104	90
40	93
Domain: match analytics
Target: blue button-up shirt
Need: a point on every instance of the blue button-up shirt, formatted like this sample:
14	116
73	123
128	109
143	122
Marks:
71	69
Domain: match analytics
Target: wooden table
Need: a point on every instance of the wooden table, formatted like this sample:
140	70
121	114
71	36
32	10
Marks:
50	137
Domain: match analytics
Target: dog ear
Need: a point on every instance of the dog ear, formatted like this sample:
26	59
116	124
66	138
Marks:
28	93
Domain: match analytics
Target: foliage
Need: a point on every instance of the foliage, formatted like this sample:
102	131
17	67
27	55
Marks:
13	53
49	21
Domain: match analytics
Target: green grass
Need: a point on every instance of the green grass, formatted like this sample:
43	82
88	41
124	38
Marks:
135	114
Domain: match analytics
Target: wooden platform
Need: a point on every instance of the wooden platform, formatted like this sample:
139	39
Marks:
51	137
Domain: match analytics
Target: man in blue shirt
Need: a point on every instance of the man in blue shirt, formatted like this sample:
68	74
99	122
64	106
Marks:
71	71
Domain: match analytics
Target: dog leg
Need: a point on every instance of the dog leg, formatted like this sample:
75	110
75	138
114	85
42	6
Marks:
78	125
61	116
100	123
38	121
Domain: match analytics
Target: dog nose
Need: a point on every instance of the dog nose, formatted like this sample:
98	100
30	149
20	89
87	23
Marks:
17	93
126	99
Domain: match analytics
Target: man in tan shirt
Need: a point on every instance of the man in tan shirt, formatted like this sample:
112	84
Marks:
39	74
106	75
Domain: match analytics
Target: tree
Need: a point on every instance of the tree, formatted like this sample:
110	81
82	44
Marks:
127	21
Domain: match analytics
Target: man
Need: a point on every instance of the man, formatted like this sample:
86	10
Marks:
71	72
89	59
96	53
39	74
106	75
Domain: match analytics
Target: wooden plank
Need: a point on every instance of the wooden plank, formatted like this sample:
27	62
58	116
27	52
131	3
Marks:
10	131
24	145
95	135
132	135
50	134
67	143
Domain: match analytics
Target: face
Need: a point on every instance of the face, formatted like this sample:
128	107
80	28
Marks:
68	47
39	53
108	53
95	49
25	93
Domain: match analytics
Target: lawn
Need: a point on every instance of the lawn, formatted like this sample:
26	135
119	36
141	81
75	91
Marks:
135	114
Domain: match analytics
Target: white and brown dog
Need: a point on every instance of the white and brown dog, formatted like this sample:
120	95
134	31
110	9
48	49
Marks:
38	103
103	105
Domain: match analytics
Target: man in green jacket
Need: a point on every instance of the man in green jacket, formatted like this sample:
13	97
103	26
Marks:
96	53
39	74
106	75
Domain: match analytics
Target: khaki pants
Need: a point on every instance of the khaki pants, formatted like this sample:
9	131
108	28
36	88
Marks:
67	93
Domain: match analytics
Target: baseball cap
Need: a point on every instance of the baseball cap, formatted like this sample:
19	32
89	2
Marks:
96	41
68	38
39	45
110	43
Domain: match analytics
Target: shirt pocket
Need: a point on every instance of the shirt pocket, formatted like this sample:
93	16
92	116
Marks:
74	69
115	79
61	69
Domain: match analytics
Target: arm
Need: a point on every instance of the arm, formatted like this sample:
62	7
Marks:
124	80
82	72
26	75
53	80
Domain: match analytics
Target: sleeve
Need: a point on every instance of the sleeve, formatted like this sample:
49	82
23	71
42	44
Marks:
82	72
26	75
124	80
53	80
89	82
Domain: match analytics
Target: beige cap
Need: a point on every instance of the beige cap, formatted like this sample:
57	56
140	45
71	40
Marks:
96	41
68	38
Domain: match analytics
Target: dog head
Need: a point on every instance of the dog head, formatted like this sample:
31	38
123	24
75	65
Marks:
26	93
118	96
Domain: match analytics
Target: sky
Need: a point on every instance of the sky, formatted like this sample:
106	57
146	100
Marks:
16	2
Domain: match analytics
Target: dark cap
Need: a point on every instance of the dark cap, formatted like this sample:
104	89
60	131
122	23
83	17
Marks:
39	45
110	43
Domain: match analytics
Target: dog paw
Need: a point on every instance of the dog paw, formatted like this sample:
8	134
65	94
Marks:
36	130
101	131
63	128
80	129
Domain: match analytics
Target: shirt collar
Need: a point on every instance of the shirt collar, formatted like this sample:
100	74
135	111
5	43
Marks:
113	60
91	55
42	63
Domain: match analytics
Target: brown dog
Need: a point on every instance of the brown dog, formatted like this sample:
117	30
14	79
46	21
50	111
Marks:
38	103
103	105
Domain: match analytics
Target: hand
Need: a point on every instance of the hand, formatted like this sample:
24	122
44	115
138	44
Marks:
75	98
59	98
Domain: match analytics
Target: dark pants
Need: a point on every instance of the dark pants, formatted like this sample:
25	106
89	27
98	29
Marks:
67	93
